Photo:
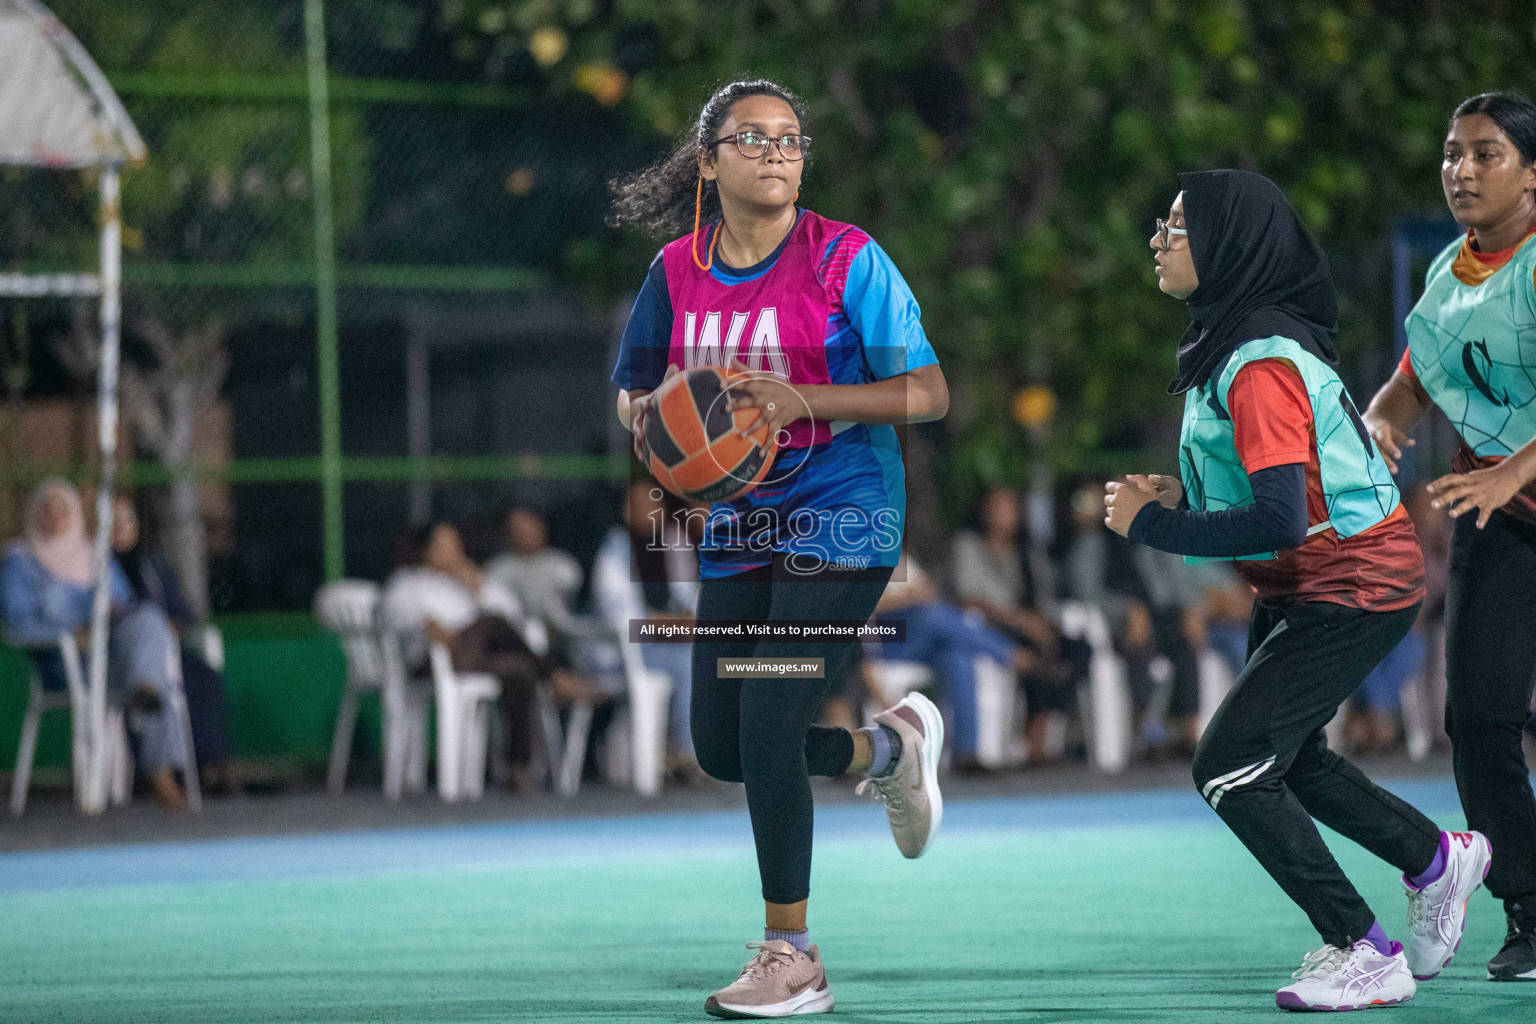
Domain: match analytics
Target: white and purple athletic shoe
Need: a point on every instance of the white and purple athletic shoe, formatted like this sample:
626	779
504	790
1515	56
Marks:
1437	913
1359	978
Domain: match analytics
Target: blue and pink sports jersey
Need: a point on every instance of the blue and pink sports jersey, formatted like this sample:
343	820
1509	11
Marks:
827	307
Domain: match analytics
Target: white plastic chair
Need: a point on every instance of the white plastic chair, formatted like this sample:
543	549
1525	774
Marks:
997	704
349	608
650	691
464	702
1423	699
564	749
1417	734
1104	699
41	701
118	763
1216	678
211	640
184	719
637	737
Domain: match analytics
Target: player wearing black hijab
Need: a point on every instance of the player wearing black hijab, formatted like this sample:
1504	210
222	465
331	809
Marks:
1279	477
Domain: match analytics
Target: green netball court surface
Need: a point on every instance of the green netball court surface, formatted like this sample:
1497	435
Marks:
1124	907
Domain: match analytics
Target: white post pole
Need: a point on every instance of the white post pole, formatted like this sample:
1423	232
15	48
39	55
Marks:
94	797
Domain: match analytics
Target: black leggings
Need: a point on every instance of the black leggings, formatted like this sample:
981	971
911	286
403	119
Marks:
1490	652
1265	767
759	731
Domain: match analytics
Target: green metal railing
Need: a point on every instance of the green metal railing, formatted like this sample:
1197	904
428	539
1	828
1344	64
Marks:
347	275
320	91
296	88
374	469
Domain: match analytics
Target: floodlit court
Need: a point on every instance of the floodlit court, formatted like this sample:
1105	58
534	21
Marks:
591	512
1068	908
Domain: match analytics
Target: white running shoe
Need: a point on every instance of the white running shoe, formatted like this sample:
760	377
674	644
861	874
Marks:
1349	979
1437	913
910	790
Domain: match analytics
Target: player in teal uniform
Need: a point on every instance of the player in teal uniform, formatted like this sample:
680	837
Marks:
1279	477
1472	352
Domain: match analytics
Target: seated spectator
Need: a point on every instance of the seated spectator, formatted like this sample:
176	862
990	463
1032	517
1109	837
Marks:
1098	569
1228	606
46	588
1371	715
545	580
993	574
444	597
1175	601
947	639
154	582
1375	711
647	570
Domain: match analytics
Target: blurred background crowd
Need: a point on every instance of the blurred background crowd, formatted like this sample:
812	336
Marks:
386	359
1071	645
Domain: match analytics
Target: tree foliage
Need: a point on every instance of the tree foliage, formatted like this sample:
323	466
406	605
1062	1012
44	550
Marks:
1012	157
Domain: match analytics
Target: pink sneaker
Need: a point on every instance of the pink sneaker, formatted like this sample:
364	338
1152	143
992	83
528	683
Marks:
780	981
911	791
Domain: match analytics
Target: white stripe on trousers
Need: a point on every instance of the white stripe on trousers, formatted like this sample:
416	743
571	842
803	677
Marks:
1219	786
1218	780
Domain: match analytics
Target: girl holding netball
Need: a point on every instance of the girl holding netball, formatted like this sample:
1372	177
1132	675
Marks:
826	336
1472	352
1279	476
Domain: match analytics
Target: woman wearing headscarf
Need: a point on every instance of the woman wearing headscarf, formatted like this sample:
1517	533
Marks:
154	582
1279	476
46	589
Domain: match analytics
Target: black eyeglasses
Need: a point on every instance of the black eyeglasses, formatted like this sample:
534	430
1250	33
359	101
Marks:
1164	233
753	145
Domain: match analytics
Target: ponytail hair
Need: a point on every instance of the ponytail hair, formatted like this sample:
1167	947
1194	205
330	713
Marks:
665	199
1513	112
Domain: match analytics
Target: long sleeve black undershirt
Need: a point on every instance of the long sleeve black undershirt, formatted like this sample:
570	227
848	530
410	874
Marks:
1276	520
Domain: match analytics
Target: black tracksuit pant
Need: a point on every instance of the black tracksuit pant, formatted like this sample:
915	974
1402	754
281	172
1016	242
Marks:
1490	654
760	731
1264	765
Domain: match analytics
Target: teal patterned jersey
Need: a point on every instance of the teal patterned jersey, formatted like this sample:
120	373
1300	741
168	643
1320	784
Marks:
1357	487
1472	344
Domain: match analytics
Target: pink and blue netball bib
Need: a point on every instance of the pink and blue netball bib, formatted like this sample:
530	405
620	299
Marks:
827	307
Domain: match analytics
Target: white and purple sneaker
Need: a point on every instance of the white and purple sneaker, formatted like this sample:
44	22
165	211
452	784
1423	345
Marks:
1359	978
1437	913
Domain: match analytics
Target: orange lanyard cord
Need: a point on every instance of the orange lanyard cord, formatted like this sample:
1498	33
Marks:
698	206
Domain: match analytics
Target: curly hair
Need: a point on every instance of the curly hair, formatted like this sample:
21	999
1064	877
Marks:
659	200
